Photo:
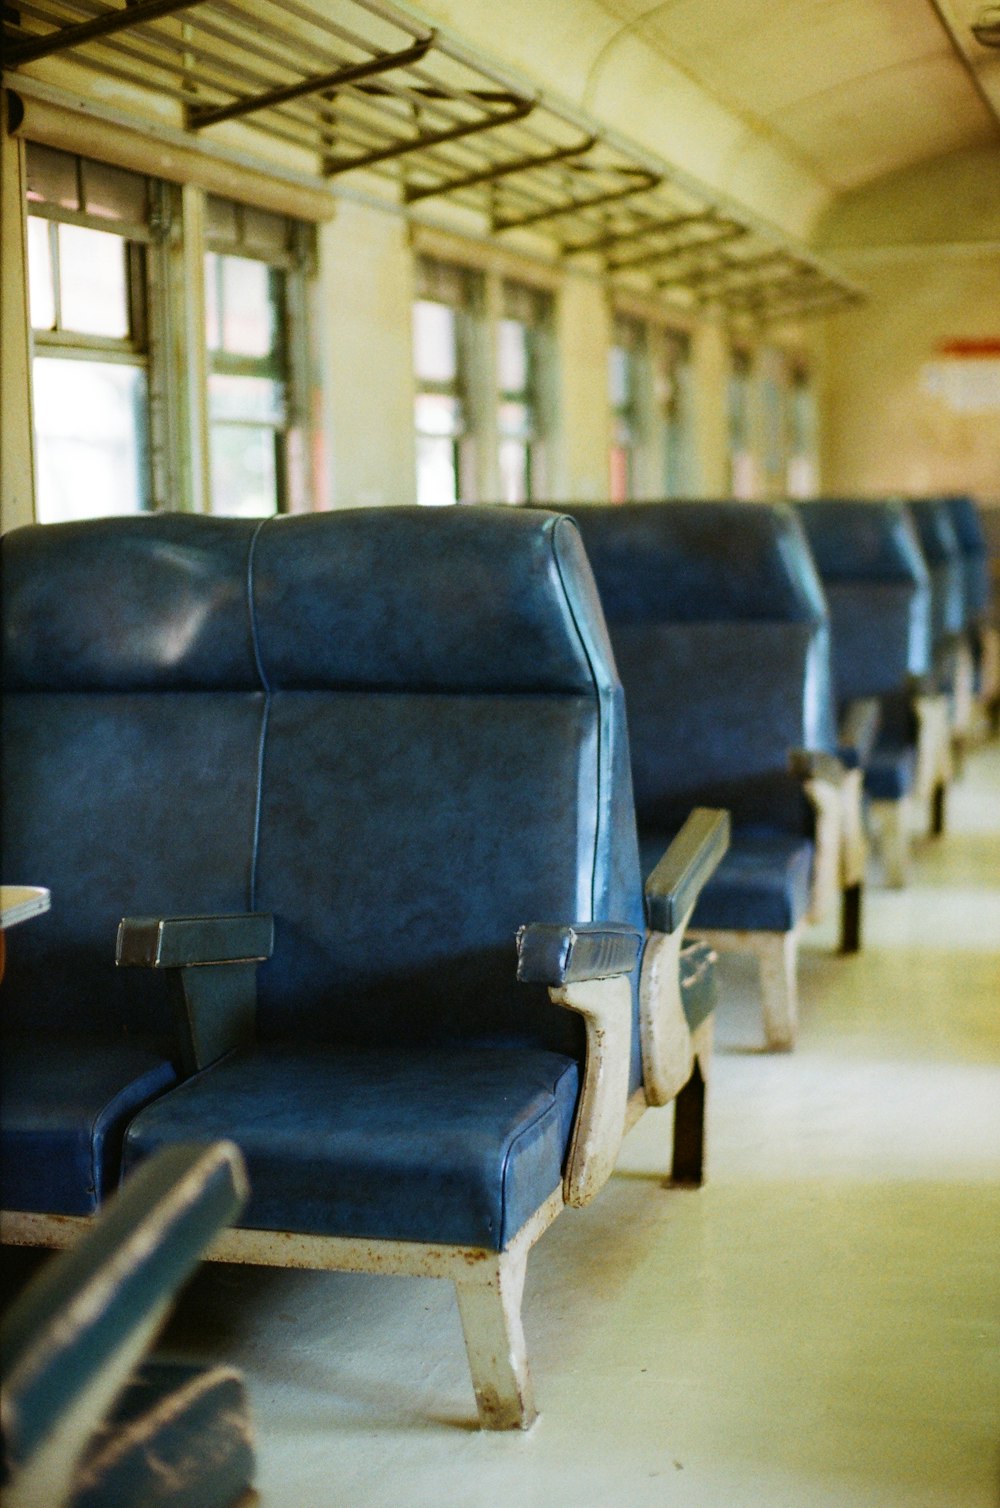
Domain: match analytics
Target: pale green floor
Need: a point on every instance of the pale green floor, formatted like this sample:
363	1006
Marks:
817	1326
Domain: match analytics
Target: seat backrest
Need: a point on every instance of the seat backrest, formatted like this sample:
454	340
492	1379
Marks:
968	526
401	731
719	629
445	759
939	543
131	725
877	589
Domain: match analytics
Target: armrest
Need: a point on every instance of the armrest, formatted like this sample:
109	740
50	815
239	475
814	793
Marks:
550	954
922	685
214	1006
858	731
587	970
816	764
73	1337
178	942
676	882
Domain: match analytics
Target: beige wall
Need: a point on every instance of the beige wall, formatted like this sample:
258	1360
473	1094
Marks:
583	336
926	245
365	361
883	432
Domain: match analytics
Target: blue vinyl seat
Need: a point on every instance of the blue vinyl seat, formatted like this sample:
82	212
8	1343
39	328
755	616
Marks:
951	657
130	723
981	637
878	590
719	630
418	991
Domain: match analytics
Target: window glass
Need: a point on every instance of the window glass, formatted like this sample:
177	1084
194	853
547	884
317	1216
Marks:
90	438
441	314
93	282
624	358
90	368
437	471
41	275
521	412
619	375
246	398
672	411
240	307
516	419
244	470
249	384
513	358
110	317
438	414
802	477
435	342
515	473
742	465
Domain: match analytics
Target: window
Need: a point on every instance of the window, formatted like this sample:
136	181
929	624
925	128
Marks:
252	266
441	338
802	477
521	334
93	256
109	312
672	403
625	361
742	470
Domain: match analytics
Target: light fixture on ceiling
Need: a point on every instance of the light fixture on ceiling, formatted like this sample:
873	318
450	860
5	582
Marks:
986	27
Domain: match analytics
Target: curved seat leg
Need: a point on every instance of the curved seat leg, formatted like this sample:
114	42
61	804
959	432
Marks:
937	809
850	918
489	1303
688	1164
893	819
778	956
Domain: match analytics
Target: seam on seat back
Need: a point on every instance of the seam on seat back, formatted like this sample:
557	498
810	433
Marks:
264	716
602	721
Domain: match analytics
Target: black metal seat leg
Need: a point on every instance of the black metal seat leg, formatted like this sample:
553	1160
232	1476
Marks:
688	1166
850	918
937	810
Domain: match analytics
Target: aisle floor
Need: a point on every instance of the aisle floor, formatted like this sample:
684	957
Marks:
816	1328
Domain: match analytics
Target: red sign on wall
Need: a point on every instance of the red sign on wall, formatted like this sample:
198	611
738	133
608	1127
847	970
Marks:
985	347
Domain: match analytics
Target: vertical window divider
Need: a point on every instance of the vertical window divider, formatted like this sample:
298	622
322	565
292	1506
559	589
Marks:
188	290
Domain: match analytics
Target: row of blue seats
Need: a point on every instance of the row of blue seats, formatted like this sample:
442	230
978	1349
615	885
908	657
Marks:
367	748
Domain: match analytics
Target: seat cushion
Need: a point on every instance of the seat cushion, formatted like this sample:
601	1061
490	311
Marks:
762	884
64	1106
453	1145
890	772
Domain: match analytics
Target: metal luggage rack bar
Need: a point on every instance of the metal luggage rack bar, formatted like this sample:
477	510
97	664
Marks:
362	86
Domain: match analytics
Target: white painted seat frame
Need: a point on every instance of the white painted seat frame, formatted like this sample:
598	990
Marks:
896	821
839	860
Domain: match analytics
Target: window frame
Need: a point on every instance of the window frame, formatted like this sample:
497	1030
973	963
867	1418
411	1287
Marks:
166	337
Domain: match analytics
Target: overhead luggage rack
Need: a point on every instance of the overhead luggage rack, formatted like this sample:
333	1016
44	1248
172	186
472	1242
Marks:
361	86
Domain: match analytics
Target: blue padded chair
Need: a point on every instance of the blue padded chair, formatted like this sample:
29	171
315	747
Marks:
877	588
417	731
951	660
719	629
129	753
85	1424
981	637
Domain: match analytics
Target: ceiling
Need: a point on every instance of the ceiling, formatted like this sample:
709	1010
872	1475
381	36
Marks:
852	89
686	147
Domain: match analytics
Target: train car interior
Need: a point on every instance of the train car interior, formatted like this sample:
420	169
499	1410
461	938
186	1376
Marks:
500	612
